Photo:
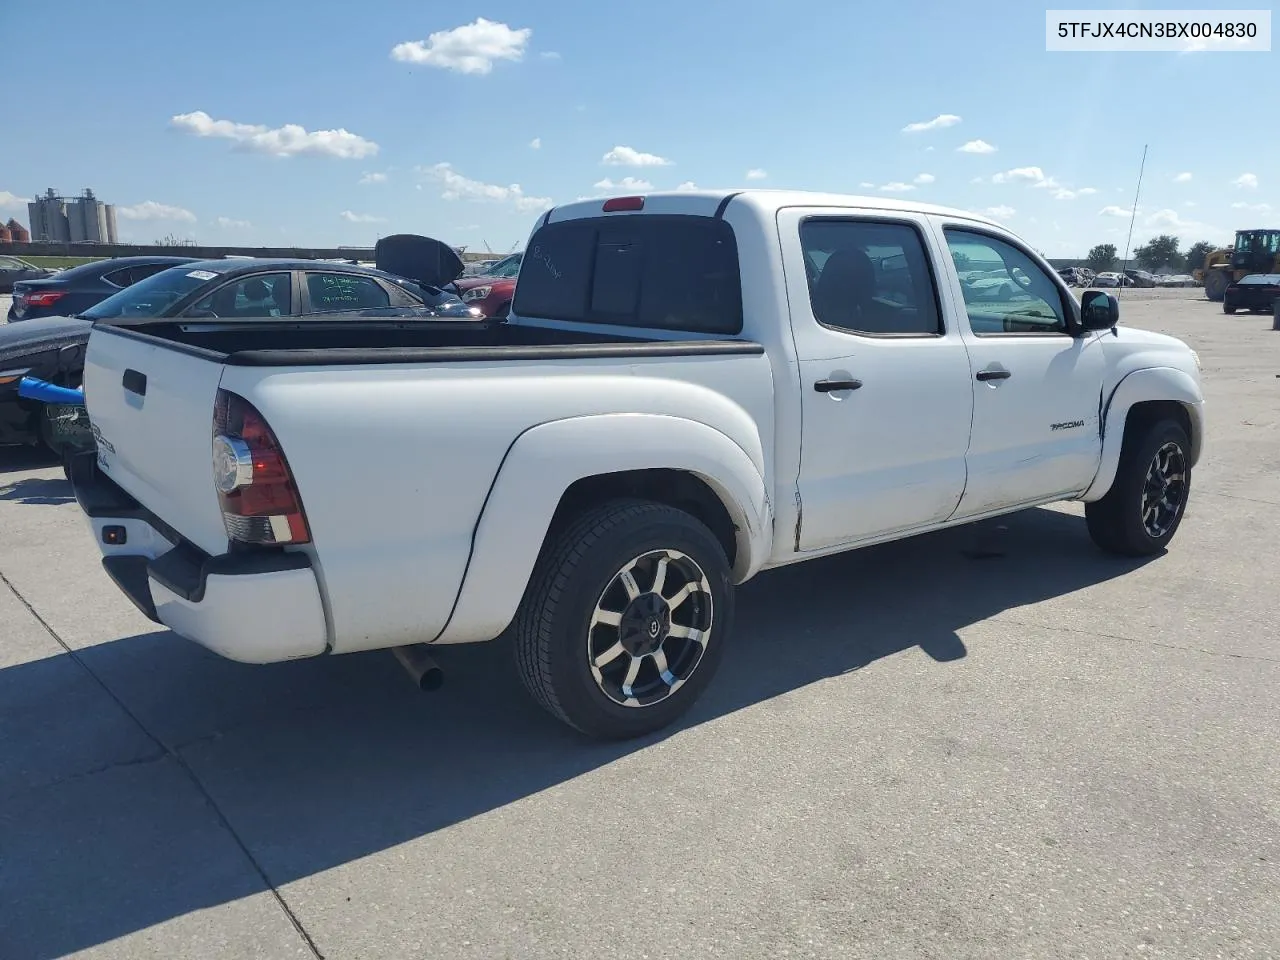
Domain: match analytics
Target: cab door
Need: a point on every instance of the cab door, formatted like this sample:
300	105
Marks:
884	374
1037	377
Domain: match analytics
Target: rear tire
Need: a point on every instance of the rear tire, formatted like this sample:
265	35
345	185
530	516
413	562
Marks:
615	657
1226	309
1144	507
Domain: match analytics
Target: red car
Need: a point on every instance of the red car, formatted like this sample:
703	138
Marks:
492	290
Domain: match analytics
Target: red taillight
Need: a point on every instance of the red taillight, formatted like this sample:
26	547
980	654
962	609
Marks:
623	203
44	298
260	501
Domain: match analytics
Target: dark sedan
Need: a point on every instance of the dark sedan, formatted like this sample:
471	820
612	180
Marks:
14	269
275	289
1256	293
75	290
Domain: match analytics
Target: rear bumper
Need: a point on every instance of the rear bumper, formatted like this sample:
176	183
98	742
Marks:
254	607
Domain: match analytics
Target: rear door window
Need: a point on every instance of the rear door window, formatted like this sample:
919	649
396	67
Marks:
675	273
338	292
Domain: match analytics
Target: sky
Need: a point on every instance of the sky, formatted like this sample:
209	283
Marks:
324	123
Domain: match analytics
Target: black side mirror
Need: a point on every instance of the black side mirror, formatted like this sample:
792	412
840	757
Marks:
1098	310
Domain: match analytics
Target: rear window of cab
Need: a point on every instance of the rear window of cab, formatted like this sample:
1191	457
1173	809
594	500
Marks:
643	270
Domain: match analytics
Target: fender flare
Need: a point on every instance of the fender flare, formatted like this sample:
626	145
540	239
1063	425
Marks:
1141	386
546	459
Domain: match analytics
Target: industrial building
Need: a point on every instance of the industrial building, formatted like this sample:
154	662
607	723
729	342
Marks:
82	219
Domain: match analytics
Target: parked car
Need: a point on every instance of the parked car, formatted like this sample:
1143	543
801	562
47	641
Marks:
15	269
71	291
1141	278
1176	280
49	349
1076	276
599	471
1256	293
258	290
1112	279
492	290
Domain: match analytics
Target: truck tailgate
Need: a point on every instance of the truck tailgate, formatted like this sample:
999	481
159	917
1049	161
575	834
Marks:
152	408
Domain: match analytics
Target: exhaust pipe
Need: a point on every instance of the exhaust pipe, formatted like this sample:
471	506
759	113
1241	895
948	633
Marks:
421	666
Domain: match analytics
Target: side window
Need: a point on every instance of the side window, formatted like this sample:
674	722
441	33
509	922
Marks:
870	278
333	292
144	270
8	263
1005	292
262	295
120	278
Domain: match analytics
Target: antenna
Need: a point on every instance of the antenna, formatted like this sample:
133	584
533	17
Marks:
1132	217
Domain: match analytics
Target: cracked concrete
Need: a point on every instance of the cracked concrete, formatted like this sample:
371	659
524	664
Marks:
908	753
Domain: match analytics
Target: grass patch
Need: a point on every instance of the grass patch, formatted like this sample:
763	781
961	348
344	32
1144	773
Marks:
61	261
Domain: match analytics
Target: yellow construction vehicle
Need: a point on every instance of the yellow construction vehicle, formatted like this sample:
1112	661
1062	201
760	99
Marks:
1255	251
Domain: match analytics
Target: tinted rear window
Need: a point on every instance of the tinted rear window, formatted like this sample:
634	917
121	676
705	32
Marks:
660	272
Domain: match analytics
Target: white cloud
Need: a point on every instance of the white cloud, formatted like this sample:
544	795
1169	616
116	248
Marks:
626	183
1111	210
289	140
1086	191
1001	212
549	55
373	178
937	123
687	186
227	223
930	148
1188	230
150	210
976	146
1062	193
867	185
924	178
458	187
361	217
755	173
8	200
535	143
467	49
1182	178
978	180
1188	203
897	186
630	157
1032	175
1253	207
1247	180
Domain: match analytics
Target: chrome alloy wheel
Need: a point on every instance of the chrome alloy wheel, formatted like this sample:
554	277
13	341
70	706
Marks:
1164	491
650	628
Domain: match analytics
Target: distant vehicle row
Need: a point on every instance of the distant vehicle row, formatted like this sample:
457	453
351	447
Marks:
1084	277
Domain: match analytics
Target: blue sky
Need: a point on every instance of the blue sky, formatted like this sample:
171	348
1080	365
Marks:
332	123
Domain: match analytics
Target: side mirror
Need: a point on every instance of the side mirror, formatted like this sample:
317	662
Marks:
1098	310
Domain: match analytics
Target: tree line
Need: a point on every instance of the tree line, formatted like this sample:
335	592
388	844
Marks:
1158	252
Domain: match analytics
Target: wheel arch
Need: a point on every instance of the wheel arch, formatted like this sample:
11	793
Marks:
1142	398
556	470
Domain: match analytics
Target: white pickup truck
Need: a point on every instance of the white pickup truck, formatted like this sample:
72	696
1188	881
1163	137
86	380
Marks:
691	388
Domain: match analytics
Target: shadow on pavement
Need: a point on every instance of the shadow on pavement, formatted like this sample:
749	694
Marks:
37	492
15	458
318	763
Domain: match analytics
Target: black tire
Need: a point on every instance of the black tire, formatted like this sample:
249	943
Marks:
1116	522
1226	309
1215	284
574	574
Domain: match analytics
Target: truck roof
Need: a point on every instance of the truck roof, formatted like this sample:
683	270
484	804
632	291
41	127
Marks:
708	202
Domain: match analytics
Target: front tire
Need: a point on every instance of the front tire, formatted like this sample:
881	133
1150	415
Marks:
625	619
1144	507
1226	309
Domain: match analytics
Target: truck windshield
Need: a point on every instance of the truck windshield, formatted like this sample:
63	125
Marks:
153	296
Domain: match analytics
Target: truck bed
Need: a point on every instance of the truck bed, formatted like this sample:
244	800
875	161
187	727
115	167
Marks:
318	343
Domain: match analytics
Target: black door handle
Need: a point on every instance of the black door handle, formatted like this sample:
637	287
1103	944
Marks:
134	382
830	386
993	375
